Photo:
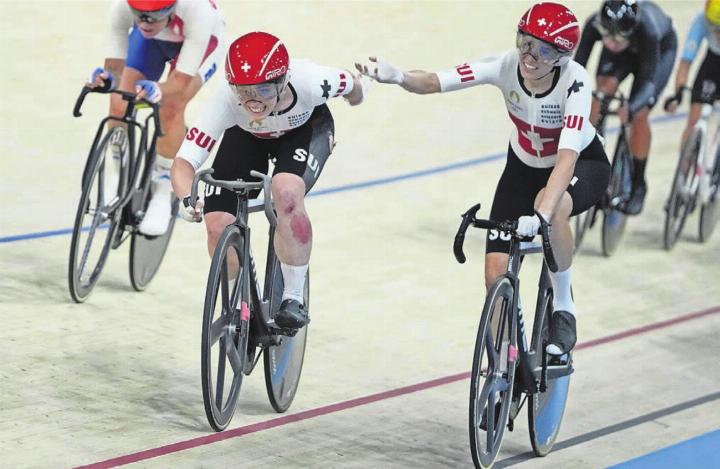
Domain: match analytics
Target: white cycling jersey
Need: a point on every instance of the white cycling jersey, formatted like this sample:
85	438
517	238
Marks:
194	23
544	123
310	84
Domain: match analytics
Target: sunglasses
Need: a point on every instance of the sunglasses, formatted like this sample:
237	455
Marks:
541	50
152	16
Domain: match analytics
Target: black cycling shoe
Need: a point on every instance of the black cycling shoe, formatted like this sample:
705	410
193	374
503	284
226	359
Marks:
637	199
483	420
292	315
562	333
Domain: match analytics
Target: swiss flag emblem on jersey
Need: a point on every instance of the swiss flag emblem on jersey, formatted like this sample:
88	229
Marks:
537	141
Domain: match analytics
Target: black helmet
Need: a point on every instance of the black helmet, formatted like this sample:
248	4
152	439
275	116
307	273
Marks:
618	17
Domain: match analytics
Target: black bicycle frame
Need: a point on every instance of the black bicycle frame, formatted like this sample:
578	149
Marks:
605	112
530	380
136	153
260	302
526	378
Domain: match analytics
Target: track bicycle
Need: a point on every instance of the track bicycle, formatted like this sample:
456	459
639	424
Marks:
613	203
238	325
506	371
116	188
695	183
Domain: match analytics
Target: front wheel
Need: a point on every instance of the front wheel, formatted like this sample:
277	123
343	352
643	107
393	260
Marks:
96	220
225	329
682	196
493	374
545	409
283	362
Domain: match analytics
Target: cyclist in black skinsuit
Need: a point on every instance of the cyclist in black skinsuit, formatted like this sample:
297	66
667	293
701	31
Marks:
638	38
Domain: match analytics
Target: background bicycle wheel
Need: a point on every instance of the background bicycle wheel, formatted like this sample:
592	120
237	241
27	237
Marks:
391	308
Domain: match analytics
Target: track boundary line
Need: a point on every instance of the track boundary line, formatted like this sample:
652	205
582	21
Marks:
361	401
357	185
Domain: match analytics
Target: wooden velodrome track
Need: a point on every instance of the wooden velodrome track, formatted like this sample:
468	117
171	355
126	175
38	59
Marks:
394	316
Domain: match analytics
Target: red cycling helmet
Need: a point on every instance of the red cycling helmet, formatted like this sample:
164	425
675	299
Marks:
552	23
256	58
151	5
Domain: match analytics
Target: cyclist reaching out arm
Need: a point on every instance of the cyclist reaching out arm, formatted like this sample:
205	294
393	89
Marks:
556	164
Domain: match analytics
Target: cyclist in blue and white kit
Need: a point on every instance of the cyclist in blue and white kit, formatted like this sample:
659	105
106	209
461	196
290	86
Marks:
556	164
706	88
144	36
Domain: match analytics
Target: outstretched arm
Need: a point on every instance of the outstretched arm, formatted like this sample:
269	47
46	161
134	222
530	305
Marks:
415	81
361	86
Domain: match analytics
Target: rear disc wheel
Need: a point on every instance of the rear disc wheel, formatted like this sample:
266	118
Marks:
545	409
283	362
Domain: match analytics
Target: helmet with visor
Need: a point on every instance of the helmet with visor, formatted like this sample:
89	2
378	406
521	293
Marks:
256	67
549	32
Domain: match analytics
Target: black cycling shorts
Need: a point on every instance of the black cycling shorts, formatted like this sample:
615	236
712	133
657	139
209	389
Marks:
705	88
302	151
627	62
519	185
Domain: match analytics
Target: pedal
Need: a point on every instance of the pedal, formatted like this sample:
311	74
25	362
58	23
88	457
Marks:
555	360
284	331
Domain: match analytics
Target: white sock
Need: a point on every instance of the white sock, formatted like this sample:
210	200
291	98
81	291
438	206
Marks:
562	298
162	168
294	279
161	173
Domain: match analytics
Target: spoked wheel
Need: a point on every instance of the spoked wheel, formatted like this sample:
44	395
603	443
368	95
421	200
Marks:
583	222
709	210
225	329
147	252
682	197
617	195
283	363
95	221
545	409
493	373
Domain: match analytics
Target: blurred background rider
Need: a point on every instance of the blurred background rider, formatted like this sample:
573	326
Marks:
705	26
187	34
638	38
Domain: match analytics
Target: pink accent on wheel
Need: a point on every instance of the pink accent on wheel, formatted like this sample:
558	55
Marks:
512	353
244	312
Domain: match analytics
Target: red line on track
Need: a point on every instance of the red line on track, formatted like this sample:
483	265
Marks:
360	401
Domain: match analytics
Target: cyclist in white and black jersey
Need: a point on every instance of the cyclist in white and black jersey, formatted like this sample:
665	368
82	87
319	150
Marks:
556	164
270	107
638	38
